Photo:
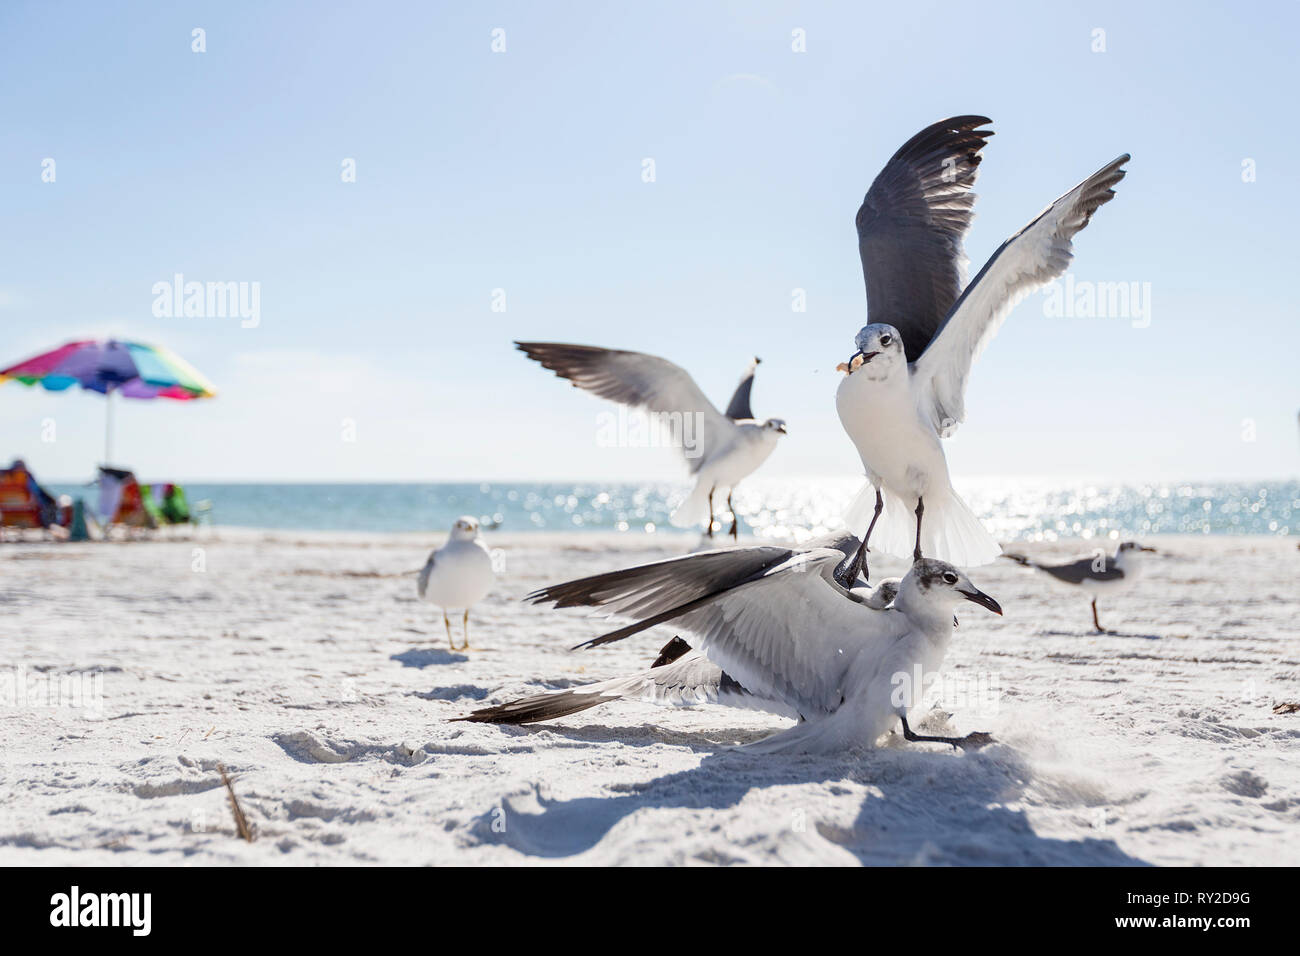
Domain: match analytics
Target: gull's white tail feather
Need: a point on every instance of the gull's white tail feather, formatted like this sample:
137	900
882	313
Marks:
694	510
949	529
830	735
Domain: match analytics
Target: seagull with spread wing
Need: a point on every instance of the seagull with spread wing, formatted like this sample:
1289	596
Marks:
777	632
721	449
680	677
905	385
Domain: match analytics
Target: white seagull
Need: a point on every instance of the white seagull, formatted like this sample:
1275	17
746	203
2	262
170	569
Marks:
1099	574
458	575
720	449
777	632
906	383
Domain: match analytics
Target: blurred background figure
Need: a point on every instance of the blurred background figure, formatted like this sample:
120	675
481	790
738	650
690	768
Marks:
1098	575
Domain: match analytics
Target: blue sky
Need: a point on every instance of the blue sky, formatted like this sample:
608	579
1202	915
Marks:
522	171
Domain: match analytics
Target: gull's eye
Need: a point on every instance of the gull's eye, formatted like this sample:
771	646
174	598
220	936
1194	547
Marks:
949	577
886	339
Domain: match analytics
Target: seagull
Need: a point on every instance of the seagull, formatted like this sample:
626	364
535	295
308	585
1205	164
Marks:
696	680
721	449
458	575
777	632
905	385
1098	574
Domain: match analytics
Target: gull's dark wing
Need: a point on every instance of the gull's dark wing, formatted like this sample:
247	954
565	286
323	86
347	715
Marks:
910	228
666	590
739	406
422	584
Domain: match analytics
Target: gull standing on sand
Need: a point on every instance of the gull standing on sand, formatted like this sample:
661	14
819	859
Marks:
777	632
905	385
1099	574
458	575
720	449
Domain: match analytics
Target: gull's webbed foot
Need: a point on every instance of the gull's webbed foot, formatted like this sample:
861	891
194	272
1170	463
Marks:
974	741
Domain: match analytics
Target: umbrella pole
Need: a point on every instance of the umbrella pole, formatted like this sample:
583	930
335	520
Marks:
108	428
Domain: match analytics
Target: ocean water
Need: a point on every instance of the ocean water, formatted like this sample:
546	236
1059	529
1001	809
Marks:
1012	509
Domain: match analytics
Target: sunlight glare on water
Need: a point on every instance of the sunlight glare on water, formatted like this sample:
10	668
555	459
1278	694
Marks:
780	509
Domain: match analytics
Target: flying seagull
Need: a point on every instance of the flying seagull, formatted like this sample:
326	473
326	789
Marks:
720	449
776	632
1099	574
905	385
457	575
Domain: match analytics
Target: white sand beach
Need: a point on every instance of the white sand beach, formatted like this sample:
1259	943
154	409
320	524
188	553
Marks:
305	665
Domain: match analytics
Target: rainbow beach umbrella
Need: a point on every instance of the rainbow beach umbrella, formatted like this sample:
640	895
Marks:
131	368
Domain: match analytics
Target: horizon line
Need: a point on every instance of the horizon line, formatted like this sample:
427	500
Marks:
753	480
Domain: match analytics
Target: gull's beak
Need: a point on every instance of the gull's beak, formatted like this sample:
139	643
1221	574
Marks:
1145	548
856	361
781	429
983	600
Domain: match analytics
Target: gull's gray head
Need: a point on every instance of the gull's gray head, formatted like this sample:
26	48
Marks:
775	425
465	528
1129	555
1131	546
878	598
884	593
880	351
937	583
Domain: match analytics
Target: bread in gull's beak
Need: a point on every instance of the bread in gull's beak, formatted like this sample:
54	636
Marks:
855	362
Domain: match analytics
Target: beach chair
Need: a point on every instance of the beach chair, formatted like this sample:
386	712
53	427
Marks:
172	505
25	505
124	502
175	508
